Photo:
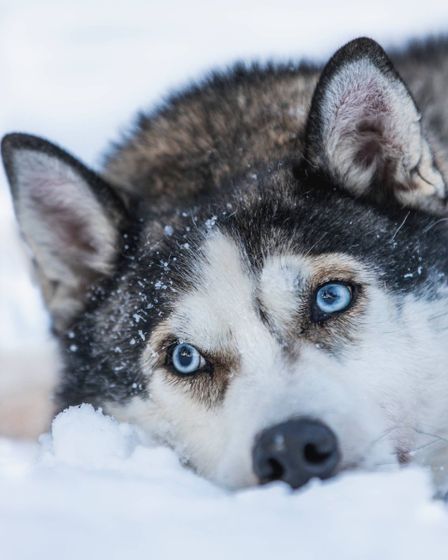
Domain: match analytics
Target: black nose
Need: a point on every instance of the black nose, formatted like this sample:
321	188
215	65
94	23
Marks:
295	451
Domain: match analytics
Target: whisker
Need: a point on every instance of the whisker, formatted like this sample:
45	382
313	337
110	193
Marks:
436	436
414	451
400	226
381	437
315	244
378	439
438	315
384	464
436	439
429	228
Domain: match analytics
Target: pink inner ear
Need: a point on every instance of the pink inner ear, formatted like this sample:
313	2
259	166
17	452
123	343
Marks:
370	134
363	119
362	105
62	217
375	99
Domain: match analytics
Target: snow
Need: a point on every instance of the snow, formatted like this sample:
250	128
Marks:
75	72
81	437
93	490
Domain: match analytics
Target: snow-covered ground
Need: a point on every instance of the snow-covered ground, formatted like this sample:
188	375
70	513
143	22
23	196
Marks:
75	72
93	491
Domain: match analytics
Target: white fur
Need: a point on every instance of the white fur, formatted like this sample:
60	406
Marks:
387	389
281	279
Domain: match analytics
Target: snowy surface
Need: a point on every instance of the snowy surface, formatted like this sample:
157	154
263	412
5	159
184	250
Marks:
93	491
75	72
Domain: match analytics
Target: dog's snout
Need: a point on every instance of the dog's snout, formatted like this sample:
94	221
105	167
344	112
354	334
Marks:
295	451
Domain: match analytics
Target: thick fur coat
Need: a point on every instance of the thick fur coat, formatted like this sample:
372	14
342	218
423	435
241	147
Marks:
213	232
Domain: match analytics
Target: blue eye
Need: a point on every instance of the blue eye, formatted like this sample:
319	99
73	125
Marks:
333	297
186	359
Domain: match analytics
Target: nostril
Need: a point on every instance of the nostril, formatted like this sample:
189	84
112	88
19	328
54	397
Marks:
277	470
270	469
314	455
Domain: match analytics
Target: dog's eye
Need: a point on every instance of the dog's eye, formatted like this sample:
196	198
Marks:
185	359
333	297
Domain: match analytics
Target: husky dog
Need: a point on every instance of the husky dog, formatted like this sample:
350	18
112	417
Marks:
258	275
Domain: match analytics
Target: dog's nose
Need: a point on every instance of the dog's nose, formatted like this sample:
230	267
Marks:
295	451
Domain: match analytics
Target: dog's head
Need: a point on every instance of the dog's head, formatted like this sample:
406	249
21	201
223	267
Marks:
291	330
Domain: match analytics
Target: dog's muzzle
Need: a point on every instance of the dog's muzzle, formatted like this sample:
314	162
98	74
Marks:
295	452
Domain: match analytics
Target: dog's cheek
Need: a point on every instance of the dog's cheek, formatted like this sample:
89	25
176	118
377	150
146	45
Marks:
152	412
169	415
188	426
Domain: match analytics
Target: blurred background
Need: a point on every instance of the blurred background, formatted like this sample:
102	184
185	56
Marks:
76	72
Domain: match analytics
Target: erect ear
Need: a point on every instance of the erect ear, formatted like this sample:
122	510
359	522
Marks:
365	131
69	217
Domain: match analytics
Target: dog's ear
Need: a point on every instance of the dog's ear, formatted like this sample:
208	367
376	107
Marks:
365	132
69	217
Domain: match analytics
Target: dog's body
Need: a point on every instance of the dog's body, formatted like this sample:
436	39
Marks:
230	228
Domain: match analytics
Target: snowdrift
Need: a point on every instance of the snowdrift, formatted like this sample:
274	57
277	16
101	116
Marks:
92	488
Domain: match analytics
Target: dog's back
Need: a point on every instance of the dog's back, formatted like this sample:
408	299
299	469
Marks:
237	121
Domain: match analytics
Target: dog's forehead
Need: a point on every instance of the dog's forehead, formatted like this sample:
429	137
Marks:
230	295
225	272
220	303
